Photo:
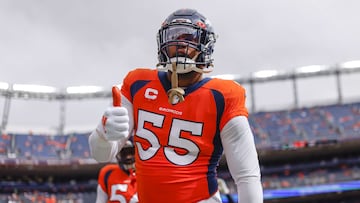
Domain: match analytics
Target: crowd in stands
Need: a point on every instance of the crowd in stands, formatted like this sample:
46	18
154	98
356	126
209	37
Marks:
305	174
294	128
39	146
306	126
45	197
274	130
30	188
311	173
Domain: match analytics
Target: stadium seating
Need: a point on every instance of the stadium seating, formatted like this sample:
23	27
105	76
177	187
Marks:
278	130
284	128
273	130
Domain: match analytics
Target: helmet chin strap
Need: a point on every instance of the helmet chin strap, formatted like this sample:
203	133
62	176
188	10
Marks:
175	94
184	65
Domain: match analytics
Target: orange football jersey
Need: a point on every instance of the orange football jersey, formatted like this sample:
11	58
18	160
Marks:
119	186
178	146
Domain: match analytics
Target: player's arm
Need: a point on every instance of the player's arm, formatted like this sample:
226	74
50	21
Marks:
242	159
113	130
101	196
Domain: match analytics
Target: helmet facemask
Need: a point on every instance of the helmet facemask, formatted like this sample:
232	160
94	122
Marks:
182	30
126	158
182	36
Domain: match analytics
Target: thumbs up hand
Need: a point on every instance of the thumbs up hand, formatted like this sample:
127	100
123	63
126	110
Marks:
115	121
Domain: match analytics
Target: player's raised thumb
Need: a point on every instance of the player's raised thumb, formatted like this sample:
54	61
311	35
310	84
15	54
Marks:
116	96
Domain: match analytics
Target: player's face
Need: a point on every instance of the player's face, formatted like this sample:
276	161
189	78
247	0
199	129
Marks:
181	41
181	49
129	162
126	158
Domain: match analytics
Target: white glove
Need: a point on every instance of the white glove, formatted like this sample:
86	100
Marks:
115	124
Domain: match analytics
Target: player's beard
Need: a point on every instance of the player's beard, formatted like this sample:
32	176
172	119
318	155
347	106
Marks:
189	76
187	79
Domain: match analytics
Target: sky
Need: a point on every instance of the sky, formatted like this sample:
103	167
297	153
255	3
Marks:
92	42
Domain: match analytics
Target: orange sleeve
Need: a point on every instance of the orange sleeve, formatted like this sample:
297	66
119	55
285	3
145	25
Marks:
235	98
101	177
134	76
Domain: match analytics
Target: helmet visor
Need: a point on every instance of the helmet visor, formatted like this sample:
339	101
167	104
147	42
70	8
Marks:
181	34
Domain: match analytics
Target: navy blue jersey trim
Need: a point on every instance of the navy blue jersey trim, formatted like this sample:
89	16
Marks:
136	86
106	178
218	148
196	85
167	84
164	81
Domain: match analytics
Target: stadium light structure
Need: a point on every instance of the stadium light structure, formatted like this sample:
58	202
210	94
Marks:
82	92
345	68
313	70
4	86
238	78
265	73
4	89
269	75
226	76
33	91
350	66
22	91
83	89
264	76
33	88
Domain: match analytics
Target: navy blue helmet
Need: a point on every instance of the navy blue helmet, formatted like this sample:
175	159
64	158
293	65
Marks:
190	28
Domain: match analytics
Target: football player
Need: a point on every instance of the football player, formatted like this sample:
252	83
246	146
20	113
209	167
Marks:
117	182
182	121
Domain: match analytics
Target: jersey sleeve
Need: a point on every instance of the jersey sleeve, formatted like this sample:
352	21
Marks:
235	101
101	195
101	177
126	85
133	78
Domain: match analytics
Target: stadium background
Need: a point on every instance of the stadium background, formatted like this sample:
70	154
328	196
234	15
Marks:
308	146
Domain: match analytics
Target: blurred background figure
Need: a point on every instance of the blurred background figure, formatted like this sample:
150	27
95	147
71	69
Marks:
224	190
117	182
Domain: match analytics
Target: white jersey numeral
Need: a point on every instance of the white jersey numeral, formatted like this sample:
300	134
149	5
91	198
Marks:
175	139
118	197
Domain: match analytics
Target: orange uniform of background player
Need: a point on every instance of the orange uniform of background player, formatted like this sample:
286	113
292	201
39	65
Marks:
117	182
118	185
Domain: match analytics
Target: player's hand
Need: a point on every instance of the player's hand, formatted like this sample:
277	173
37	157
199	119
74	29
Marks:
115	121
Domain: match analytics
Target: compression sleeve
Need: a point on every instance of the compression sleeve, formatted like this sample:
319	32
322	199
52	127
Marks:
101	196
102	150
242	159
